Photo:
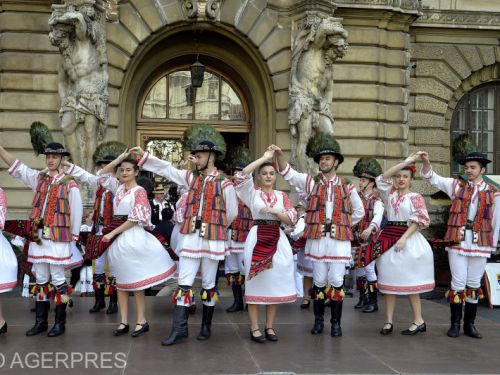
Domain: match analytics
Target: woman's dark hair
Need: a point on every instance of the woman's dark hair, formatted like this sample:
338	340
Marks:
409	168
266	164
130	161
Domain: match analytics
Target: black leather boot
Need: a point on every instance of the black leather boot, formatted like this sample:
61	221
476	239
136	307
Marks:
113	303
336	307
206	322
469	318
100	303
238	299
60	322
363	297
456	318
372	305
319	316
179	326
42	314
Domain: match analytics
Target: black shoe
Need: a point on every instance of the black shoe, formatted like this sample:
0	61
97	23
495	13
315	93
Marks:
271	336
144	328
121	331
3	329
60	321
113	303
42	314
363	300
260	339
372	305
412	332
99	304
456	318
179	326
238	299
336	307
206	323
469	318
306	303
386	331
319	316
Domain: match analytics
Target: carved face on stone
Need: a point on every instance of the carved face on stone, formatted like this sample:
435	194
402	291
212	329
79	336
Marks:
59	37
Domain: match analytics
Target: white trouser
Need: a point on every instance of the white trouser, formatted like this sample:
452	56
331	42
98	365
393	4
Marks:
466	272
368	272
100	264
234	263
188	267
299	279
45	272
328	273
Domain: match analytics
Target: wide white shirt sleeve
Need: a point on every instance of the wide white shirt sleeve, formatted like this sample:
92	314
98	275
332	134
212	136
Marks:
76	206
299	229
82	176
165	169
231	202
358	210
294	178
108	181
445	184
21	171
378	214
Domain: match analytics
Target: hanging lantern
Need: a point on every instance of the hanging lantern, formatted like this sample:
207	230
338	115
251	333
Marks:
197	74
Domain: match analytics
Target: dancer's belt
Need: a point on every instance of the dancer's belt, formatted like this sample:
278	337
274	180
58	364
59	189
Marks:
469	225
398	223
274	223
120	217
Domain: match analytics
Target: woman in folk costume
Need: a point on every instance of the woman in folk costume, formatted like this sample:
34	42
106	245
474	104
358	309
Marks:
268	258
473	229
405	262
367	230
55	223
333	207
8	261
211	207
304	265
139	259
102	215
236	159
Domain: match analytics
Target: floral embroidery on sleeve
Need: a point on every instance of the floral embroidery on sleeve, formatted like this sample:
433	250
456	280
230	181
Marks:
141	212
419	213
289	209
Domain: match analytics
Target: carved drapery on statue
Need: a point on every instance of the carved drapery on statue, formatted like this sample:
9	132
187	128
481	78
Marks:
78	29
319	41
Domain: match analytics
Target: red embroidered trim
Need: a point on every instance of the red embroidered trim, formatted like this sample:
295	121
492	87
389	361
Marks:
14	166
415	288
219	253
47	257
458	248
250	299
149	281
9	285
144	159
286	171
235	248
73	264
328	257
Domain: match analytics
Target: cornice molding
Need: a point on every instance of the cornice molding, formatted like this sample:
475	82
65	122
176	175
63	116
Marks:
458	19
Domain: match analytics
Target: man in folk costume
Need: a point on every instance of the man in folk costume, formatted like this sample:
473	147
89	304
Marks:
158	203
367	230
56	217
473	227
211	207
333	207
102	216
237	159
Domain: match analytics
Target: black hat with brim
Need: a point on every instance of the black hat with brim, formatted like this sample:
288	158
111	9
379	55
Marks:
329	151
55	148
106	160
475	156
206	146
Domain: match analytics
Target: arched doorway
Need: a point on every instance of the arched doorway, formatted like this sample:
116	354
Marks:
229	58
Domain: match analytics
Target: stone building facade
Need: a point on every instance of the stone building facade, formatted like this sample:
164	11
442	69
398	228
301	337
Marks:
409	65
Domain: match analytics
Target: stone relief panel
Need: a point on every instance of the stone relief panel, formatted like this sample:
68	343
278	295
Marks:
319	42
77	28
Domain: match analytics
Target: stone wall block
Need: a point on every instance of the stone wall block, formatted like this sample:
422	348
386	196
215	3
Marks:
281	98
429	104
115	76
28	82
441	52
430	86
487	54
26	42
439	70
247	16
281	80
120	36
22	120
116	57
261	29
282	120
29	101
279	39
23	21
133	22
280	62
149	13
426	120
34	62
172	10
471	55
229	11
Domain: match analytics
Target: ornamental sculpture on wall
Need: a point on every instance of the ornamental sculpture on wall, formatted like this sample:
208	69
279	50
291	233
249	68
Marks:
77	28
319	42
202	9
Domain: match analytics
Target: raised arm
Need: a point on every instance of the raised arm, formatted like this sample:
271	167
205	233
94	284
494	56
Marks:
445	184
7	157
395	169
294	178
81	175
268	155
163	168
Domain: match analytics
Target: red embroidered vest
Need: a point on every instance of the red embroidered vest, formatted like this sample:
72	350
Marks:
107	216
368	204
341	220
482	226
242	224
213	212
57	215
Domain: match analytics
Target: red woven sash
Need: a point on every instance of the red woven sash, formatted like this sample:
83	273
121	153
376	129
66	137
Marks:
389	236
264	250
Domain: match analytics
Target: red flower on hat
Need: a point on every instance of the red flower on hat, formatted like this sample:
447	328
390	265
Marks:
413	168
